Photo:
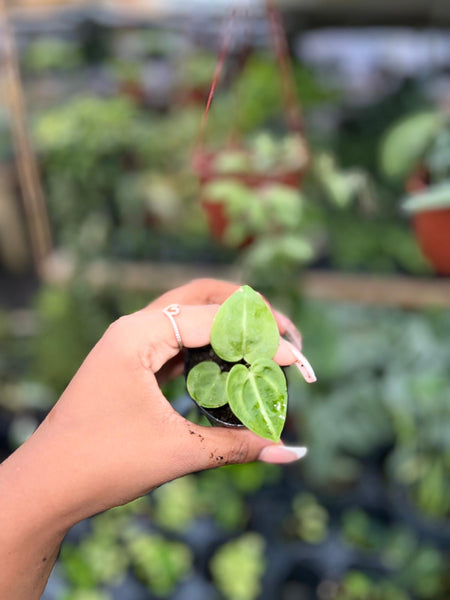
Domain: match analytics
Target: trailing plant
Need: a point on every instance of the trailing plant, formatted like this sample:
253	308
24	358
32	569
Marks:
254	212
263	154
245	335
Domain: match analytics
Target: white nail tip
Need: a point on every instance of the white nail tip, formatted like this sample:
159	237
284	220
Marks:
299	451
303	365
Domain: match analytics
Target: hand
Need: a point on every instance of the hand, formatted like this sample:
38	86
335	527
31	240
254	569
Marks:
113	436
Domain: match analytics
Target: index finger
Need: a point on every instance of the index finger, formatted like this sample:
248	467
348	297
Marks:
216	291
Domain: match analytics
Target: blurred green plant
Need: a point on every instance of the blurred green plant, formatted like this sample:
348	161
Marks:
161	564
238	566
309	518
406	142
51	54
357	585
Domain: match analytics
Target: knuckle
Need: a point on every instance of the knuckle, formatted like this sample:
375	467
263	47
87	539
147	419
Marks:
239	453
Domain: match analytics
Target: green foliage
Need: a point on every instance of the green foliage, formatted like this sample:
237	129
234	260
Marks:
263	153
414	565
437	159
258	92
51	54
84	145
70	321
310	518
196	70
159	563
207	384
176	504
359	586
244	329
378	244
87	595
255	212
238	566
406	142
342	187
383	382
258	397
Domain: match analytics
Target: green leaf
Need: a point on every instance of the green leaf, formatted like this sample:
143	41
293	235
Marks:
244	328
406	142
206	384
258	397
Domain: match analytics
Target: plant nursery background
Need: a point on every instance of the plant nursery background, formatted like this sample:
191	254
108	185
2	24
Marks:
320	176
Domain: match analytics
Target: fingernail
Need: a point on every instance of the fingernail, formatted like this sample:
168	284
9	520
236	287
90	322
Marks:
282	454
293	335
303	365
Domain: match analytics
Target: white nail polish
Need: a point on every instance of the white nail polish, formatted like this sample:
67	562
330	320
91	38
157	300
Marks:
299	451
282	454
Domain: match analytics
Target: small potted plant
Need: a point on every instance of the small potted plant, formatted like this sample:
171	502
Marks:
263	159
253	182
235	381
429	203
418	148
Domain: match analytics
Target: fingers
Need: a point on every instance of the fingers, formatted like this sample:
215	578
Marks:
214	291
288	354
198	291
159	343
193	323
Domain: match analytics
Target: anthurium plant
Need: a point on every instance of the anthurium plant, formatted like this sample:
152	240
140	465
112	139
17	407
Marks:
245	338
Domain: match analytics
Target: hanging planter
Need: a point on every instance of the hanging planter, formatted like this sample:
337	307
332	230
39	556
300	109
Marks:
249	191
430	212
252	165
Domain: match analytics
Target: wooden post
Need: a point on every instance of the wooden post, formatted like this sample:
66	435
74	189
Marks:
27	169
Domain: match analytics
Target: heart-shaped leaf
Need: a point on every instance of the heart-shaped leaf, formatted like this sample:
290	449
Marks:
244	328
206	384
258	397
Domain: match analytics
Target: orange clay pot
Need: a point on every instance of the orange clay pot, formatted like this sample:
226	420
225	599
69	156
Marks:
432	229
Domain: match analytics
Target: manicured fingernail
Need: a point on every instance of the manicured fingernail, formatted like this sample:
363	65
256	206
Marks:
303	365
282	454
293	335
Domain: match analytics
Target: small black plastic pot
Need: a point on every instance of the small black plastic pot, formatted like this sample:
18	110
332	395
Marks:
222	416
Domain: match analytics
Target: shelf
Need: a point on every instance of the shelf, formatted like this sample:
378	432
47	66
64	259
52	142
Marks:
375	290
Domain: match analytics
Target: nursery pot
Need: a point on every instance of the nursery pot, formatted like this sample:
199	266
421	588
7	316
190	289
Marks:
222	416
432	229
218	222
429	207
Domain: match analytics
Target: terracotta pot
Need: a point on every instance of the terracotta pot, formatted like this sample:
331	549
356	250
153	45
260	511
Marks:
218	221
203	164
432	229
432	226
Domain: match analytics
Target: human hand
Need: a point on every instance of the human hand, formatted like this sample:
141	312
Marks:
117	434
113	436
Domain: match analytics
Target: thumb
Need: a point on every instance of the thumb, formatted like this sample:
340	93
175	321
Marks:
210	447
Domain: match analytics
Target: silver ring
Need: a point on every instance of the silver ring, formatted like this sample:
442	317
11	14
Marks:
172	311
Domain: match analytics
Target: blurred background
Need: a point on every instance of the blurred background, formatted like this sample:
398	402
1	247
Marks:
321	176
